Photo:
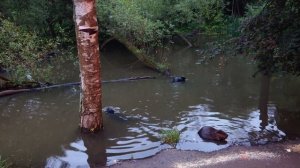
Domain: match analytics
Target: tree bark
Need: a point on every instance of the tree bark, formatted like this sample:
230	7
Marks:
86	28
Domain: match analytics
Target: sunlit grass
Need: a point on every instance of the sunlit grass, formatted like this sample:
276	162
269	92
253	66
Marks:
170	136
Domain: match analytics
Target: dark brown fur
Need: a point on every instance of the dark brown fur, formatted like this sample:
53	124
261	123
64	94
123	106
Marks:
210	133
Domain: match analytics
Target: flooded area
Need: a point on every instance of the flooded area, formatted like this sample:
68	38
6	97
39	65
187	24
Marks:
40	129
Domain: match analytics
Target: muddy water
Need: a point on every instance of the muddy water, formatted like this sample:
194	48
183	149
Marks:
40	129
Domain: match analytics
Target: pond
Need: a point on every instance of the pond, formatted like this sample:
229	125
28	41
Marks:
40	129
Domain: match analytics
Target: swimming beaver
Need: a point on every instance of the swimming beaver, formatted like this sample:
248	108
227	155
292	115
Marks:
178	79
109	110
210	133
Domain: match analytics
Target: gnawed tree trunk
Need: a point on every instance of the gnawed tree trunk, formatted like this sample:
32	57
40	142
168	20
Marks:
86	27
139	54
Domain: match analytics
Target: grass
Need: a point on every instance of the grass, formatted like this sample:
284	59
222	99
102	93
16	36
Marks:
170	136
3	163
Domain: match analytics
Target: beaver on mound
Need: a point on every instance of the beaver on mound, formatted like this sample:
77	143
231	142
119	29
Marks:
210	133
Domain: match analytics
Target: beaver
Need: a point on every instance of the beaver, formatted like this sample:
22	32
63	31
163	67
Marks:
109	110
114	113
178	79
210	133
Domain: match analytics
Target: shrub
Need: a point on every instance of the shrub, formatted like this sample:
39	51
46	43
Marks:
170	136
22	53
273	37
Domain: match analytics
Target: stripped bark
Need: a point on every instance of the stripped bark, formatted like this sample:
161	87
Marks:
86	27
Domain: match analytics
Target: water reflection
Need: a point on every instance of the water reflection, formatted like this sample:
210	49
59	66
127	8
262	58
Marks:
34	126
74	157
288	121
263	100
41	128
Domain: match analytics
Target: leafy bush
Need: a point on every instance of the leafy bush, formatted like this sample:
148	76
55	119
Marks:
149	24
47	18
126	19
273	37
22	53
252	10
152	20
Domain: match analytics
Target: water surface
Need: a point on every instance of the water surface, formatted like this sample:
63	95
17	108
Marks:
40	129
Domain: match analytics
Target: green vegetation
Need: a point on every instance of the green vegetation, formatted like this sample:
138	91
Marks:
149	24
145	21
31	31
170	136
4	163
272	35
48	18
22	52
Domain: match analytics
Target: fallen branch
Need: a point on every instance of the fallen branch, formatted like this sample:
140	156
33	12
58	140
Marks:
141	55
4	78
129	79
186	40
11	92
106	42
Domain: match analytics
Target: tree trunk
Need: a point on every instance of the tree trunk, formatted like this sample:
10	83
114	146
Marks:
263	100
142	56
86	28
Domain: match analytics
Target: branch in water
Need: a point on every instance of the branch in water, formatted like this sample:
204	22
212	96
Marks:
186	40
11	92
106	42
4	78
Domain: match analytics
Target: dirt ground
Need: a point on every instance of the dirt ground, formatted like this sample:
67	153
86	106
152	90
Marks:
274	155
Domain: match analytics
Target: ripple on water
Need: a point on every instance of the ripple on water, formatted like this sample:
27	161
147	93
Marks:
240	131
133	147
45	124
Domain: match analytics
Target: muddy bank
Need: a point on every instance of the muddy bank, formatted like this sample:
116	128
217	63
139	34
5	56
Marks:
275	155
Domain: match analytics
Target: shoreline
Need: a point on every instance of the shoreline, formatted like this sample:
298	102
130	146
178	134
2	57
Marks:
284	154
